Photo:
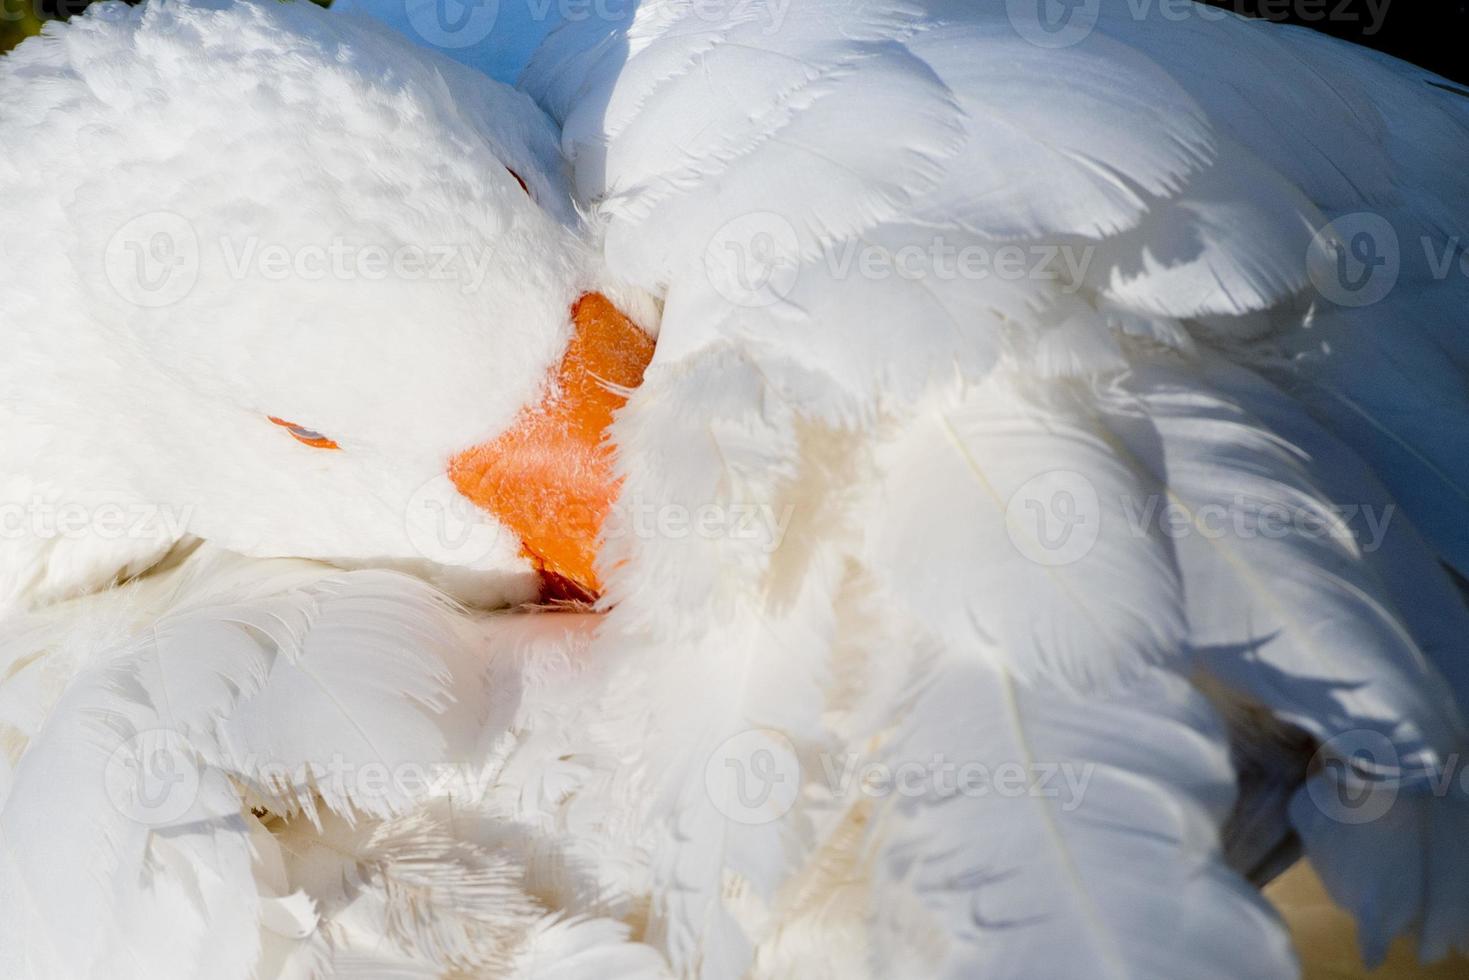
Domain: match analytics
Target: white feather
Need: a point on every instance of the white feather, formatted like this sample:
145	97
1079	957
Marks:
888	607
1120	878
1018	537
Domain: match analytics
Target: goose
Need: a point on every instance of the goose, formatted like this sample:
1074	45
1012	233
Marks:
810	489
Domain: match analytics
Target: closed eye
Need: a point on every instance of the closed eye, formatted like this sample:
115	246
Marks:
521	181
305	436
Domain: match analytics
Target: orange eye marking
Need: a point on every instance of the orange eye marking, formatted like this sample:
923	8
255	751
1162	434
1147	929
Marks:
304	435
549	478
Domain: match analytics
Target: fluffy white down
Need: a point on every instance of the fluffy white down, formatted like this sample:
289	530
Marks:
880	594
424	295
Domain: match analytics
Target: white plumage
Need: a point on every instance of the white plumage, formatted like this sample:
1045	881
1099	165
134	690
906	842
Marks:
1152	509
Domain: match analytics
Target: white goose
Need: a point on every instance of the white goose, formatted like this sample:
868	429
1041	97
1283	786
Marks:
1029	530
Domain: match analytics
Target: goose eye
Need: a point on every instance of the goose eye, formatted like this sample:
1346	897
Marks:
305	436
519	180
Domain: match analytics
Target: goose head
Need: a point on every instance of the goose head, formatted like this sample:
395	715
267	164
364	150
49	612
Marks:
280	281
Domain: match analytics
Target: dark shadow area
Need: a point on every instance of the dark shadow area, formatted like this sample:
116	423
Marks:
1431	33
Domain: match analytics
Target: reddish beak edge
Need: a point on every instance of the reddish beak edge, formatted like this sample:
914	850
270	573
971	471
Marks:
549	478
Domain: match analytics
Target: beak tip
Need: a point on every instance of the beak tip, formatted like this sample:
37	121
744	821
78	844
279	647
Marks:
550	478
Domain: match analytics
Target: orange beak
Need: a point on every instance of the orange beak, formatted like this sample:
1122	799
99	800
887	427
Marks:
549	478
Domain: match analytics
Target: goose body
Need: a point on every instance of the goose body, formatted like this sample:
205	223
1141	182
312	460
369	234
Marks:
1035	528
